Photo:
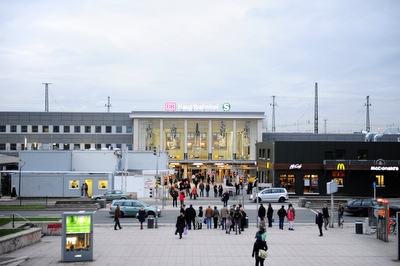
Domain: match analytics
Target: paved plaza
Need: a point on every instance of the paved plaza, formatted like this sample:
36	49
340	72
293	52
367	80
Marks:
159	246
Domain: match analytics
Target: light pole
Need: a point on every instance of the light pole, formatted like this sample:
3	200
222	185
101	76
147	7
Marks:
156	153
20	165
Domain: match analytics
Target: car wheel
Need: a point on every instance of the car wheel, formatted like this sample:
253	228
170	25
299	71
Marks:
122	214
281	200
259	200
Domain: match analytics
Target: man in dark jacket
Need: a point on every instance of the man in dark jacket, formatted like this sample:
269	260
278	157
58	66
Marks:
270	214
117	215
282	215
190	215
180	224
261	212
319	220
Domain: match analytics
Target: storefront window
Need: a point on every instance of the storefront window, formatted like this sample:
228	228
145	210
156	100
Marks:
197	139
310	184
287	181
74	184
174	139
338	177
103	184
221	140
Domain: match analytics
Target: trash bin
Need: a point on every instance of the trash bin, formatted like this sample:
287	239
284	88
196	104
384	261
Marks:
150	221
359	227
102	203
246	224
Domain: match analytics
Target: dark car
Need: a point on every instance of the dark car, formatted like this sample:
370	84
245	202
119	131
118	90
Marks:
359	207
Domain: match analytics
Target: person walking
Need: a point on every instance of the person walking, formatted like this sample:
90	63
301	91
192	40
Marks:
261	212
209	215
325	214
243	221
201	188
259	245
207	189
290	217
228	223
224	212
237	217
200	218
13	192
270	214
86	189
216	217
319	220
340	213
117	215
281	215
225	197
194	192
174	195
182	198
180	224
190	215
142	217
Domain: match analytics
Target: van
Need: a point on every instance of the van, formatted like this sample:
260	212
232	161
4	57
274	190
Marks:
271	195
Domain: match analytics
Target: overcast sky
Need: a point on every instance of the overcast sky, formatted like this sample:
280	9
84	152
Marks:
143	54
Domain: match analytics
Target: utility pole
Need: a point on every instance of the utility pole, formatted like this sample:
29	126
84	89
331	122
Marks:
273	104
108	105
157	154
367	122
316	109
46	96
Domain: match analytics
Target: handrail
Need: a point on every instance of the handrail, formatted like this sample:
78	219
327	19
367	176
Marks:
20	216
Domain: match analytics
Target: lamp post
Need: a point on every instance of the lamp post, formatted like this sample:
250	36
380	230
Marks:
156	153
20	165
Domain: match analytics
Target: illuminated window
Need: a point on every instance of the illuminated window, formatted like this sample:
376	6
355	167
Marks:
74	184
380	180
103	184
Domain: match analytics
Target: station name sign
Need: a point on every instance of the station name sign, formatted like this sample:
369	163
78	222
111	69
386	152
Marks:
384	168
172	106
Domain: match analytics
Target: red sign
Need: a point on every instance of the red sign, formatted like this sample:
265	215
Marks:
170	106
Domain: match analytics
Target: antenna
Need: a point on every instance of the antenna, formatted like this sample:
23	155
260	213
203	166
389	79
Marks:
108	105
273	104
316	110
46	96
367	123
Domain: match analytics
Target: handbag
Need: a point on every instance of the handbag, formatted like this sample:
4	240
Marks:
262	254
185	231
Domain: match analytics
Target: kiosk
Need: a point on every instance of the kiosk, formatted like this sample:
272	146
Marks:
77	236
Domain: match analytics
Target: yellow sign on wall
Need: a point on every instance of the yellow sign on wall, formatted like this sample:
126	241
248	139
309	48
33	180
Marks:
340	166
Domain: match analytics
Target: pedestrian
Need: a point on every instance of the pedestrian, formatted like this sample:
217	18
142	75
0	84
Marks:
290	217
83	189
207	189
340	212
229	223
190	216
259	245
117	215
262	233
142	216
182	198
174	195
220	190
216	217
270	214
225	197
201	187
261	212
224	212
180	224
237	217
319	220
281	215
215	190
13	192
325	215
86	189
194	192
243	221
209	215
200	218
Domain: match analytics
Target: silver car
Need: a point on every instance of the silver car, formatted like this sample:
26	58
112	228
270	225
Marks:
132	207
271	195
112	195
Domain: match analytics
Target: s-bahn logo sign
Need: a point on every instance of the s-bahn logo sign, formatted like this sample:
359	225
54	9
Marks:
340	166
173	106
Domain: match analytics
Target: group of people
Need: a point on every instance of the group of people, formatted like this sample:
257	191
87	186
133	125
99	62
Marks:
322	218
282	213
232	219
84	189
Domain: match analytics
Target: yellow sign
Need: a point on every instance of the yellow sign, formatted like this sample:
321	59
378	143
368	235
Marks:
267	165
340	166
382	212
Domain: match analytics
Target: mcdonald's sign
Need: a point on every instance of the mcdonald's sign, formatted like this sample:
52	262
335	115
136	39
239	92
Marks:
340	166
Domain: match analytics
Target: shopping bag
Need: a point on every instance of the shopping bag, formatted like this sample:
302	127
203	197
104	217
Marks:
185	231
262	254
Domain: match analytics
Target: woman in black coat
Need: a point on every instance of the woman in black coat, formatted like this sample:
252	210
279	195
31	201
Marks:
180	224
142	216
270	213
259	244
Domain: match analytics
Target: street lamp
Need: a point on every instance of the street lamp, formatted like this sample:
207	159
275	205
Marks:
20	165
157	154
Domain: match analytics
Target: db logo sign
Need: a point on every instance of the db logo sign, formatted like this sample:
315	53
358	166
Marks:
170	106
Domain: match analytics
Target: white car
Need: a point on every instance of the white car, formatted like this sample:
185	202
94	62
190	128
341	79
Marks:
271	195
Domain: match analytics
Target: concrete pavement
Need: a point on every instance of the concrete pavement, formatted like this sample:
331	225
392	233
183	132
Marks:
159	246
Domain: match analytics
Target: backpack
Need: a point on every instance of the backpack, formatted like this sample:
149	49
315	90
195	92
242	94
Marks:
237	215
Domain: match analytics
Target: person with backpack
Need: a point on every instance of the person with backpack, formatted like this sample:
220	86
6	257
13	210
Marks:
281	215
237	217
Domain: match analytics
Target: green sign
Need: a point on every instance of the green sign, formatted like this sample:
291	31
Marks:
226	107
77	224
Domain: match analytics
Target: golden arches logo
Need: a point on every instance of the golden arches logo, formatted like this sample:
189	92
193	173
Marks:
340	166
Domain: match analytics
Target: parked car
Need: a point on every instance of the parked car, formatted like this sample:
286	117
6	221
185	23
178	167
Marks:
132	207
271	195
359	207
112	195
